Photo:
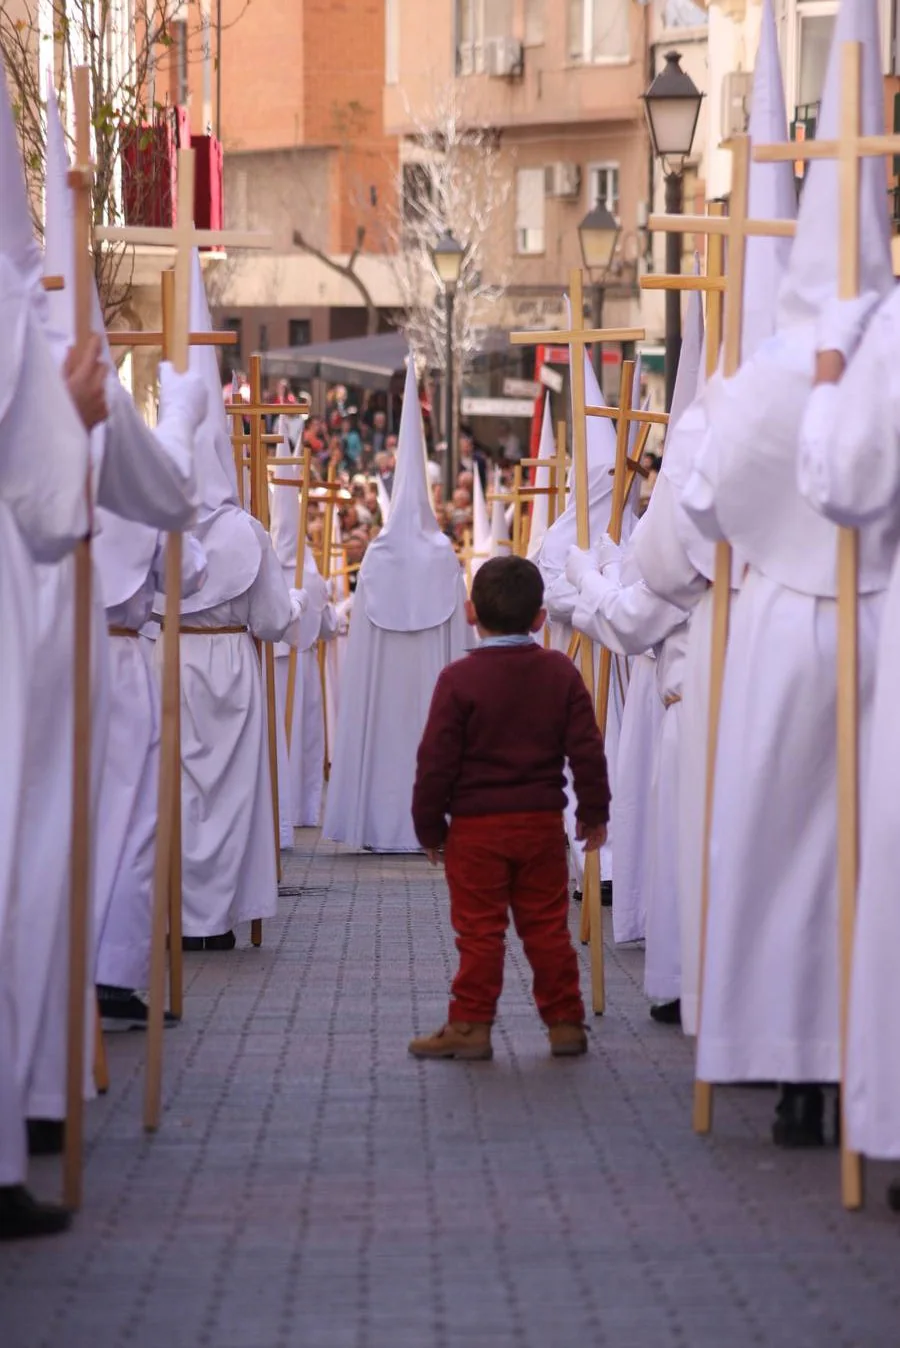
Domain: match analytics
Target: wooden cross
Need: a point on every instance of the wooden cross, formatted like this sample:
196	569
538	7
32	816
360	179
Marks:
577	338
736	228
554	467
183	238
849	149
80	180
329	493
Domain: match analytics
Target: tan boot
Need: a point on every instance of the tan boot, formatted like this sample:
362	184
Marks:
567	1040
457	1039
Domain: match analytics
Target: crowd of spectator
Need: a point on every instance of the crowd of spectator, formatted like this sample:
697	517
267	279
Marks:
357	448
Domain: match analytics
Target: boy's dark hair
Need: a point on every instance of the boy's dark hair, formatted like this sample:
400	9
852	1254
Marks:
507	593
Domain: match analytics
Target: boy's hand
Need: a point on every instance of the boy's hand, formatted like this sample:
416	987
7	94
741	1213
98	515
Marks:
435	855
593	838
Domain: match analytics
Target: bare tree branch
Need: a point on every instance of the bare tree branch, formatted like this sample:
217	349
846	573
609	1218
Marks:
347	270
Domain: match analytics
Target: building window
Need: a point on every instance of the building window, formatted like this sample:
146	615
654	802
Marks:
598	30
530	210
476	22
534	23
299	332
263	336
391	41
603	185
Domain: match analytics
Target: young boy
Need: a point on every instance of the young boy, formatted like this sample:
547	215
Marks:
502	723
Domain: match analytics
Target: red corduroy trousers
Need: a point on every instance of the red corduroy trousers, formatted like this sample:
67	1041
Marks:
502	864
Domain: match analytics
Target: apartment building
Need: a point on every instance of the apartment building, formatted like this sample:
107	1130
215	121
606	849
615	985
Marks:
558	83
294	94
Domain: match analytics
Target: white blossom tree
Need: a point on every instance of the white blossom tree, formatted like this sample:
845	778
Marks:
456	182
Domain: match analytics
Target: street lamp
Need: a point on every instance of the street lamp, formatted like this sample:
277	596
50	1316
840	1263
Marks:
599	234
447	256
672	104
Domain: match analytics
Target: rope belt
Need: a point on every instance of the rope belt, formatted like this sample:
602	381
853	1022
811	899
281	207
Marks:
115	631
203	631
671	700
211	631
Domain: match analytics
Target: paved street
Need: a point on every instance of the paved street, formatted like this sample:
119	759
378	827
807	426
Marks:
313	1187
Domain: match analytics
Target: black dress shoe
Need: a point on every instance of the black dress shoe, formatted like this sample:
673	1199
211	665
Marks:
667	1013
23	1217
123	1009
800	1117
577	896
226	941
606	893
46	1137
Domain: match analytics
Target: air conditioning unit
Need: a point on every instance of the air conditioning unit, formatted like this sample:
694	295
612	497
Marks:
737	87
503	58
562	180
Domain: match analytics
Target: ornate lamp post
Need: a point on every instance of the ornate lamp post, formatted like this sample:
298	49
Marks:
672	104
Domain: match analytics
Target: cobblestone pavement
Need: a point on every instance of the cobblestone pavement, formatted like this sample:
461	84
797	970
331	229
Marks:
312	1187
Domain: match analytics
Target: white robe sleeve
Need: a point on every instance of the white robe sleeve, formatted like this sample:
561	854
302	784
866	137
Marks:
849	460
44	448
273	614
628	619
141	478
698	499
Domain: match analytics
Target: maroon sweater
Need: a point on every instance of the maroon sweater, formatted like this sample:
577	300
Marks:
502	723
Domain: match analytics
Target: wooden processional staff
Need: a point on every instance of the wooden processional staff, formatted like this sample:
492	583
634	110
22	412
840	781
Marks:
183	238
850	148
577	338
81	183
735	228
255	412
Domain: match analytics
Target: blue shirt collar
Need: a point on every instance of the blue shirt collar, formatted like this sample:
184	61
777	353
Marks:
516	639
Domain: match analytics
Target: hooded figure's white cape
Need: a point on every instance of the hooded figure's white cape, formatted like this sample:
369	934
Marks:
850	469
43	513
771	997
301	768
619	610
408	623
141	477
228	867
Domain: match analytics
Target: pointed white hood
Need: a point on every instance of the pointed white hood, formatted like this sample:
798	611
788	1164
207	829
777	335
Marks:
771	196
499	526
540	510
17	241
21	265
601	457
410	573
645	541
284	529
123	550
231	539
812	275
481	526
